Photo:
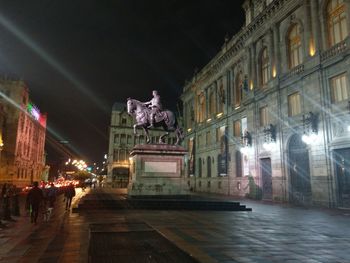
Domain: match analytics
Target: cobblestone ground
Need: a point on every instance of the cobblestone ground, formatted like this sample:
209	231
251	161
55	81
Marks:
271	233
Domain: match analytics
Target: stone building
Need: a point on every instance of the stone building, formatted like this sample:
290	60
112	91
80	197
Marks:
268	117
23	130
121	142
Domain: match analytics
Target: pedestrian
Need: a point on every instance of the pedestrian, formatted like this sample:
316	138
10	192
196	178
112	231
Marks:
69	194
34	198
6	194
15	201
51	195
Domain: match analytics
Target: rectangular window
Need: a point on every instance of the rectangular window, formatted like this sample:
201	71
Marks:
116	138
129	139
200	140
294	107
237	128
339	88
122	139
208	138
220	132
264	118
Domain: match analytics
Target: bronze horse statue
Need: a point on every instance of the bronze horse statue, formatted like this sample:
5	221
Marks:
165	119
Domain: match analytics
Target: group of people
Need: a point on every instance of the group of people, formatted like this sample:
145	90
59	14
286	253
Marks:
38	199
10	203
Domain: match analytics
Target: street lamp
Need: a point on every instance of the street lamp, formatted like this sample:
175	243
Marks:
270	137
310	127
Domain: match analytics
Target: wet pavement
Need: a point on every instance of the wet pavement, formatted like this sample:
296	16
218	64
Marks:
270	233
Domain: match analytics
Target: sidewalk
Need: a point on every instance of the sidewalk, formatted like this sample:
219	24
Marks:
21	240
270	233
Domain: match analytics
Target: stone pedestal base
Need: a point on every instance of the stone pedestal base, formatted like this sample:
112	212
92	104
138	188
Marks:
157	170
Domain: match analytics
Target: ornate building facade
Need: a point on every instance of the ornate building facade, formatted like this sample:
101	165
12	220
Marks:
269	116
121	142
23	131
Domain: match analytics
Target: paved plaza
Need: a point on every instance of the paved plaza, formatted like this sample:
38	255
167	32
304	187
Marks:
270	233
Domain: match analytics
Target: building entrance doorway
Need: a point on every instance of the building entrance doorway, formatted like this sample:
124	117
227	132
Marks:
266	176
342	170
299	171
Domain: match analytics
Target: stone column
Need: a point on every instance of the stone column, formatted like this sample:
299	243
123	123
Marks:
255	66
271	52
277	48
316	27
307	28
250	64
232	87
206	115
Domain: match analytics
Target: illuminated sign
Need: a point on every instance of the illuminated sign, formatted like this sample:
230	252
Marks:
33	111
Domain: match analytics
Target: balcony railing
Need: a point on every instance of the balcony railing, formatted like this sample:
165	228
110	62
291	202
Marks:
335	50
294	71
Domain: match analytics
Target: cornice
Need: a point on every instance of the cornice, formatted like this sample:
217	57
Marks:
235	45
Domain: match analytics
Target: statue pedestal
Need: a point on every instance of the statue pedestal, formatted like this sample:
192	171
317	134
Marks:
157	170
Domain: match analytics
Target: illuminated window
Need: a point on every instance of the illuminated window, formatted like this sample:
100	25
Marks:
294	104
337	22
201	107
339	88
237	128
238	90
221	96
265	67
264	117
220	132
294	46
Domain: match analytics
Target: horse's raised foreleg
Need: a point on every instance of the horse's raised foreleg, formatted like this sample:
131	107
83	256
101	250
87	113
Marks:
135	129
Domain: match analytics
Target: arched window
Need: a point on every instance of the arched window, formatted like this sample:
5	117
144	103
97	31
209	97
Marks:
294	46
265	67
337	22
238	89
201	107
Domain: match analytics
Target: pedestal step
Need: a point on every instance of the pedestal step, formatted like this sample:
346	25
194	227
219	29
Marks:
160	204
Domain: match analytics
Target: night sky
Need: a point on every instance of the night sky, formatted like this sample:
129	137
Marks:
78	57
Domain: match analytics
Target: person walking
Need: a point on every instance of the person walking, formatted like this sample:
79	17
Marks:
34	198
6	194
69	194
51	195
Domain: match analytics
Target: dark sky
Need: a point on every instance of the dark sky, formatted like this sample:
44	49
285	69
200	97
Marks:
78	57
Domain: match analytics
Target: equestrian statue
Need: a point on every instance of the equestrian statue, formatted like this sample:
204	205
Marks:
150	114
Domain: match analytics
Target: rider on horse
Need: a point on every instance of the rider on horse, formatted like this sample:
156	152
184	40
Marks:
155	105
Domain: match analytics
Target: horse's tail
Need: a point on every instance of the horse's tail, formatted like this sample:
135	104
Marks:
179	130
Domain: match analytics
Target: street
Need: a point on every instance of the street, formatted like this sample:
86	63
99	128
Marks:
270	233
